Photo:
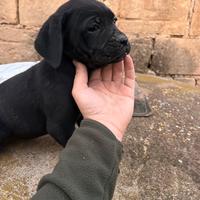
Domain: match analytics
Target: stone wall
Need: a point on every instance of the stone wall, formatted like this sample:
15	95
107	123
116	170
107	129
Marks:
165	34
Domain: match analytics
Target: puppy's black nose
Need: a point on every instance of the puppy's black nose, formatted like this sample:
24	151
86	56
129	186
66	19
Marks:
123	41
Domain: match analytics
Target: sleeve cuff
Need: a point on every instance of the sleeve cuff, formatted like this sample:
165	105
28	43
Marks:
99	126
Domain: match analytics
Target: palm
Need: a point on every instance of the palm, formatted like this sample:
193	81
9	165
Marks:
111	88
108	87
108	96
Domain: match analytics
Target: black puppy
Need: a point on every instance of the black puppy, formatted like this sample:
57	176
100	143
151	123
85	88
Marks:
39	100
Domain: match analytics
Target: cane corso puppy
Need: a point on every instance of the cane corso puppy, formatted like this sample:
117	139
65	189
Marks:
39	100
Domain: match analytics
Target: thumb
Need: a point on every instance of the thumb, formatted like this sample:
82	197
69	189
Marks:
81	77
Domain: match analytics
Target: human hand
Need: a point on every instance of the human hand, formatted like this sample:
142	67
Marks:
108	96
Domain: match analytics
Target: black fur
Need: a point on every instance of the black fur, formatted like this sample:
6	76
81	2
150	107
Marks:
39	100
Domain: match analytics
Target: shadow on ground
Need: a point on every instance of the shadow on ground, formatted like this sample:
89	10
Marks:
161	153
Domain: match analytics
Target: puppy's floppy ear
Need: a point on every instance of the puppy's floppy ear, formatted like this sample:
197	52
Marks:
49	42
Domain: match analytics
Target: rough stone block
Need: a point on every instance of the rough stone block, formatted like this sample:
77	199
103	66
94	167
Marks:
15	52
152	27
112	4
154	9
176	56
8	11
35	13
38	12
195	28
154	16
17	34
141	50
17	44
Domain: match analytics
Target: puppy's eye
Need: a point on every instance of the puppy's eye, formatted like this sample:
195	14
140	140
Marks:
114	20
94	28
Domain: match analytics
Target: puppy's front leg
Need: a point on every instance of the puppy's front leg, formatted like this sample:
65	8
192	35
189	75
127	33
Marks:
60	131
61	124
58	104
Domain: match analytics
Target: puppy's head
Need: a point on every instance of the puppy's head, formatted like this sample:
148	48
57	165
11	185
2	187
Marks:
84	30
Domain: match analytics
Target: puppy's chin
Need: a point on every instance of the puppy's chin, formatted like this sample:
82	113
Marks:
121	56
102	59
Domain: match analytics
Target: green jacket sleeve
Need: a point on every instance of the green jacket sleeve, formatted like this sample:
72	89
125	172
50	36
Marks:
88	166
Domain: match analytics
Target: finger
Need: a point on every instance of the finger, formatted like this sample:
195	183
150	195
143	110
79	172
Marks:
129	71
129	67
117	75
95	75
81	77
106	73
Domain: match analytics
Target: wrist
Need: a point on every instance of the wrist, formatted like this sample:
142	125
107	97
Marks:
117	132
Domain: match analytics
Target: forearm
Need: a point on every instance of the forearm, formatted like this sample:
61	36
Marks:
88	166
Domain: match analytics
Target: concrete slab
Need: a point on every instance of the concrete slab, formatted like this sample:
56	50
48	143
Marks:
161	152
